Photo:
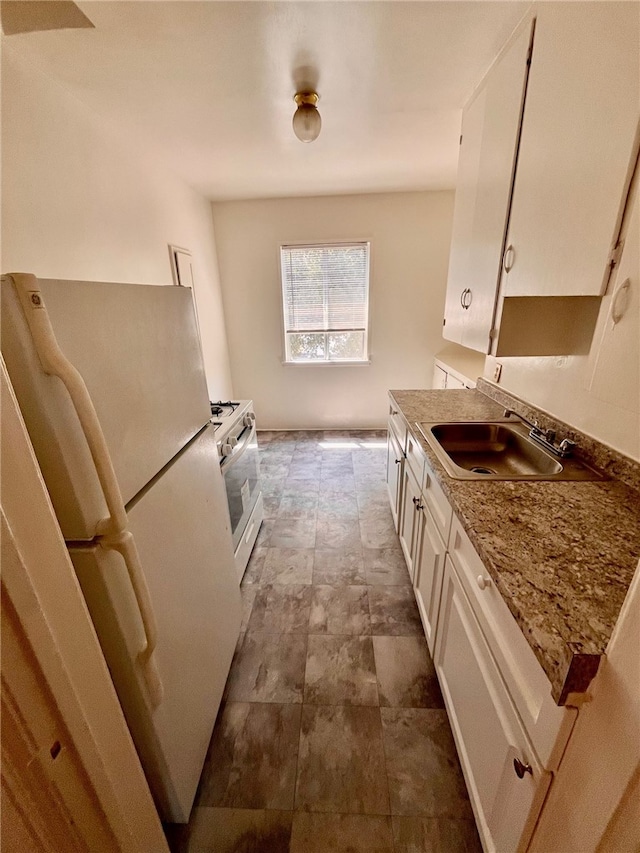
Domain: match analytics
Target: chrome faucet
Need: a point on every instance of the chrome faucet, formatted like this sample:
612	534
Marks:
545	437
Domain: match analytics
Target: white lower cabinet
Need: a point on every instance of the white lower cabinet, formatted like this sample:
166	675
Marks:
409	519
427	572
439	378
395	467
548	725
448	379
422	543
509	732
454	382
488	734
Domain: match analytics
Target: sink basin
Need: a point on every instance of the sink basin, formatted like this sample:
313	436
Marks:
498	451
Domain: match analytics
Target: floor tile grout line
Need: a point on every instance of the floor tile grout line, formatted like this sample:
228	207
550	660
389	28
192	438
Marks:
290	485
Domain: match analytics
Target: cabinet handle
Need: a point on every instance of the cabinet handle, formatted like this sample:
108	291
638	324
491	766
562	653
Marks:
521	768
509	258
468	298
483	582
462	297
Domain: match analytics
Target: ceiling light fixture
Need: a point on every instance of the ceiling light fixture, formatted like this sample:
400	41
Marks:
306	119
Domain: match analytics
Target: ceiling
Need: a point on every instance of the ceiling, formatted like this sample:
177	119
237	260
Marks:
209	86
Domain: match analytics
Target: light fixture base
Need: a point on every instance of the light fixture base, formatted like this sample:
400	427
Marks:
309	98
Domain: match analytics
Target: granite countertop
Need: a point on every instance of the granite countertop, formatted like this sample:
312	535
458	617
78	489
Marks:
562	554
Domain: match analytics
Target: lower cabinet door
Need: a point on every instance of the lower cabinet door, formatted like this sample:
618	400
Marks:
454	382
428	570
439	377
395	464
409	517
505	781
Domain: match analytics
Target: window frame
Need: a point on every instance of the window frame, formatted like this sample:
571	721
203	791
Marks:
329	244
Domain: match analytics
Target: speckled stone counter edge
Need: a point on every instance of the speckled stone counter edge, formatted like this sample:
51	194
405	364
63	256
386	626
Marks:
574	671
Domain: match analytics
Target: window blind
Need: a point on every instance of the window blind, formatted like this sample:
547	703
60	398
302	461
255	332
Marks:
325	288
325	293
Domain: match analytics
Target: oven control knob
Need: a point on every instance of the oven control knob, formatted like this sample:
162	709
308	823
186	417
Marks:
248	419
227	447
232	440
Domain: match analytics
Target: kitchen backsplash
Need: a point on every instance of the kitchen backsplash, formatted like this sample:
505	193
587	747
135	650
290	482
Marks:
613	463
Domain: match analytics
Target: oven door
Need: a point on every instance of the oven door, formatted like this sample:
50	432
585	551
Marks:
241	473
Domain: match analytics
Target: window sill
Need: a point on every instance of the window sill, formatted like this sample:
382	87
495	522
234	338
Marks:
365	362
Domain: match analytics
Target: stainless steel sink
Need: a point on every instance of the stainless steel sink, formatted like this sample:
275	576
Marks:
498	451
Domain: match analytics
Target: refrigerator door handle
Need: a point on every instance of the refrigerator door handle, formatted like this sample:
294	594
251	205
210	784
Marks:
55	363
114	528
125	544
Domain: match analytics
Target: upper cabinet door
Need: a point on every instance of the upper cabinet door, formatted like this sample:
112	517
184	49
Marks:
490	129
577	141
461	257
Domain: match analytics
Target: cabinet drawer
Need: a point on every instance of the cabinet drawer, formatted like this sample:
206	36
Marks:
486	728
438	505
547	724
398	426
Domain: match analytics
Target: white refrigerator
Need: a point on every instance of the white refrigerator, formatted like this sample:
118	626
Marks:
111	385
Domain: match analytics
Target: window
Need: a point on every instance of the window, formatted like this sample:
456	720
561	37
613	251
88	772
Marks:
325	292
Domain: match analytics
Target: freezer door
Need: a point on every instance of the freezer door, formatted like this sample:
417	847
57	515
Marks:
138	350
181	527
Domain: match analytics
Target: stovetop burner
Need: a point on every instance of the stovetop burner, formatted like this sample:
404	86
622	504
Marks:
223	409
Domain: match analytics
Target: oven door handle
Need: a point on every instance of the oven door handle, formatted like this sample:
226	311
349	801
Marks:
238	450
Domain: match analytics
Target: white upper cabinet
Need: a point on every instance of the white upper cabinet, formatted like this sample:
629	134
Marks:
490	128
580	119
549	140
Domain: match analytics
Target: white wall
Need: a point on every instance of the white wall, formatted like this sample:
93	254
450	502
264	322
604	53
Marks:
409	235
79	202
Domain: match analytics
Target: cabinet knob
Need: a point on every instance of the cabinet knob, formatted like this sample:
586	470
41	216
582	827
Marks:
417	503
509	258
521	768
398	461
394	411
483	582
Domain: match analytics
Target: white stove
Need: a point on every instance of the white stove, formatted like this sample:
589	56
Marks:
234	423
230	417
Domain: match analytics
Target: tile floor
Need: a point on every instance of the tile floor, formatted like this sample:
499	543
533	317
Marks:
332	735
